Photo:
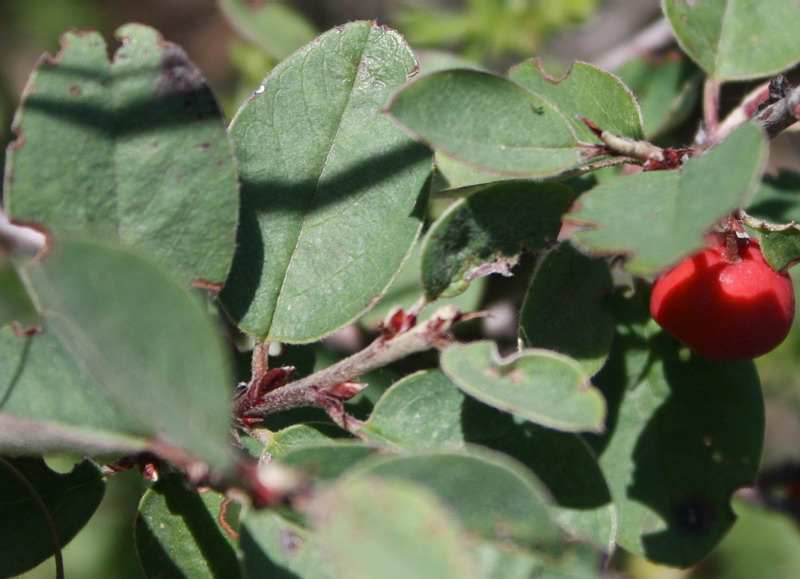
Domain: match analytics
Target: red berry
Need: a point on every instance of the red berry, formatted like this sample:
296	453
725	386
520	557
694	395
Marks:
723	308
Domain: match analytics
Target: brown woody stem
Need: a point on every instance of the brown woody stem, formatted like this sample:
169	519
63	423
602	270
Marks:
711	110
318	388
780	115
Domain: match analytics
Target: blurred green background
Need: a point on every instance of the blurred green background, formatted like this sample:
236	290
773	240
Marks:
491	33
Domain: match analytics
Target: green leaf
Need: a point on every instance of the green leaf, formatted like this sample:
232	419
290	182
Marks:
487	121
386	528
177	533
760	544
486	232
737	39
136	149
666	89
15	303
421	411
781	249
326	461
544	387
561	460
494	497
584	91
69	499
564	309
452	174
684	433
275	27
19	435
144	348
655	218
302	435
777	200
426	412
40	380
324	175
273	546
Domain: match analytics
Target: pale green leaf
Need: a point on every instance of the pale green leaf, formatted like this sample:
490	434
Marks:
564	309
487	121
371	527
145	349
418	412
542	386
135	148
494	497
584	91
273	546
737	39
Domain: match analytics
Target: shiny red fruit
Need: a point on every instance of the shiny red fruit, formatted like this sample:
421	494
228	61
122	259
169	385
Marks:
722	308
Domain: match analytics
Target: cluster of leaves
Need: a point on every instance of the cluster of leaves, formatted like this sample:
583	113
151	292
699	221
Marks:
599	431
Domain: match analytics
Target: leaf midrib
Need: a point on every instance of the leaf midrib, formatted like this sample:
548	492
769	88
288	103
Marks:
322	172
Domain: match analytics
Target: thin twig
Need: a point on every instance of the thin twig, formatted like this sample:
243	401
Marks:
316	389
780	115
711	111
774	112
259	363
744	111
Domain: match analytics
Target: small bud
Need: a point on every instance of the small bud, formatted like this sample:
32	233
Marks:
346	390
396	322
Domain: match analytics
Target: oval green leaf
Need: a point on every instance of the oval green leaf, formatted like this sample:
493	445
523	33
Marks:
371	527
135	148
684	434
487	121
332	191
326	461
70	501
486	233
273	546
494	497
542	386
426	412
178	534
421	411
42	382
302	435
564	309
781	249
144	346
584	91
737	39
